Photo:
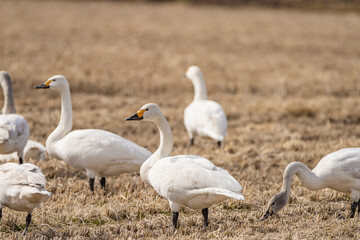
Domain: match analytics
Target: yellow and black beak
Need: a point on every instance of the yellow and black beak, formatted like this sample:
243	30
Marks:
44	85
137	116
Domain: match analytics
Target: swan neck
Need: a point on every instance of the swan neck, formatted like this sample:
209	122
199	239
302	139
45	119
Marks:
307	178
9	104
65	124
164	150
199	88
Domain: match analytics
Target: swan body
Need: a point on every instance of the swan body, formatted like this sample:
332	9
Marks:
96	151
188	180
203	117
339	171
22	188
14	130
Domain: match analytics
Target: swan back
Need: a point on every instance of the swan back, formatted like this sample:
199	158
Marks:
22	187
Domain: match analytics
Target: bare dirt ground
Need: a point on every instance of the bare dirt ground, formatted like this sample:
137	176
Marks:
288	81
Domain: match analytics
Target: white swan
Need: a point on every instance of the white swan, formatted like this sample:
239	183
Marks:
203	117
96	151
34	150
339	171
22	188
187	180
14	130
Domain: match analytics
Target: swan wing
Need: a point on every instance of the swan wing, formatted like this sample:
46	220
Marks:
98	150
25	174
187	176
206	117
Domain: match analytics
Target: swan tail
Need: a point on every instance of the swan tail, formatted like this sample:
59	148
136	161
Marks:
221	192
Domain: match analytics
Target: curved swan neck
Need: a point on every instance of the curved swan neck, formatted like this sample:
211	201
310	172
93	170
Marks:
9	105
307	178
199	87
164	150
166	138
65	124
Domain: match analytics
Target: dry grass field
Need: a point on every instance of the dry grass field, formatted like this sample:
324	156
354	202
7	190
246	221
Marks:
288	80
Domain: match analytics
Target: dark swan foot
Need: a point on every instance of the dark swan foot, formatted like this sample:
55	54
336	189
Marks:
219	143
353	209
28	221
91	183
21	161
175	216
103	182
191	142
205	213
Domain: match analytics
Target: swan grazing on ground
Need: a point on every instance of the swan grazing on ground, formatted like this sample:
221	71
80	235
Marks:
187	180
22	188
14	130
96	151
339	171
203	117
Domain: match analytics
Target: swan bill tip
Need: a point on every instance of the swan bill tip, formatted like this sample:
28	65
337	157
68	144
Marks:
43	85
134	117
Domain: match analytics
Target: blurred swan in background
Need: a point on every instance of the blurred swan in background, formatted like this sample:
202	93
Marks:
203	117
22	188
14	130
188	180
96	151
339	171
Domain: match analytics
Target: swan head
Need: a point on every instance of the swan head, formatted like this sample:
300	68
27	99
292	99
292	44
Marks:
4	78
275	204
57	82
148	112
193	72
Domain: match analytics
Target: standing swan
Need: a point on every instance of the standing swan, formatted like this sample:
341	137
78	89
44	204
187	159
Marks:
339	171
188	180
22	188
203	117
14	130
96	151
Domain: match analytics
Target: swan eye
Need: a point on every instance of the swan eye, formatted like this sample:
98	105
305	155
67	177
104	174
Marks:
147	109
273	203
54	80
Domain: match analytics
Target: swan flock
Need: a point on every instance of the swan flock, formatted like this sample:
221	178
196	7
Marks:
183	180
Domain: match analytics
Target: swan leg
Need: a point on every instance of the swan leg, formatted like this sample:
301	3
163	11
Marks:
219	143
28	221
91	183
205	213
353	209
175	216
103	182
21	160
358	204
0	213
191	141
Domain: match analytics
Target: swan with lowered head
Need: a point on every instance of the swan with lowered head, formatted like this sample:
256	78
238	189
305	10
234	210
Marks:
203	117
96	151
22	188
188	180
339	171
14	130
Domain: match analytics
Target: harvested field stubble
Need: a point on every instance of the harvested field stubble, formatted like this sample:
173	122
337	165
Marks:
288	80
